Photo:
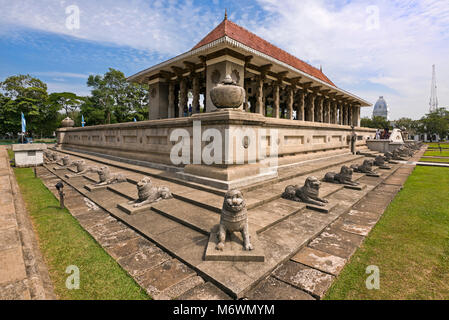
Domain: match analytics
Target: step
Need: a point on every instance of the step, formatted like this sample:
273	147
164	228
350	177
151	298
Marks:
200	219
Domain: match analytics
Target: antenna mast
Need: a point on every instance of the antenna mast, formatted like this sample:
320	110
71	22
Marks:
433	104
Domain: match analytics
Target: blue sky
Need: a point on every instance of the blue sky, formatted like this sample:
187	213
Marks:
368	47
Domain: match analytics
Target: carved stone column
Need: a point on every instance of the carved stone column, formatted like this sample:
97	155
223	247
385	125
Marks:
335	112
301	101
171	99
320	103
311	107
327	111
183	98
291	94
340	113
259	95
276	99
196	94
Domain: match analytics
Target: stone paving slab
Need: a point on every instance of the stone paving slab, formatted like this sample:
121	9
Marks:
167	274
308	279
205	291
273	289
320	260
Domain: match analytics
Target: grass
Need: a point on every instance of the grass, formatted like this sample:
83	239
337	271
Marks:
437	153
64	242
410	245
434	160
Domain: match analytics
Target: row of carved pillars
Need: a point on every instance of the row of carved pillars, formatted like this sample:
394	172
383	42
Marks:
308	106
178	99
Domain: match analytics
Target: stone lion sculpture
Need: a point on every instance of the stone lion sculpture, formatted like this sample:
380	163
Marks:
106	177
379	161
309	193
388	156
396	155
344	177
147	193
234	218
66	161
366	167
80	165
48	156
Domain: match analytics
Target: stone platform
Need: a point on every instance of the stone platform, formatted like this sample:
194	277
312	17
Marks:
182	226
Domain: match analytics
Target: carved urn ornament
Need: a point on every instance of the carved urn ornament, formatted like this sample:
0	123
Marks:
227	95
67	123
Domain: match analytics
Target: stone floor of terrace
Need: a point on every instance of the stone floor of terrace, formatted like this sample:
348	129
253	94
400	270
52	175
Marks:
163	248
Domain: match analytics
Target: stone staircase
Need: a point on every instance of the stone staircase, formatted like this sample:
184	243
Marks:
182	225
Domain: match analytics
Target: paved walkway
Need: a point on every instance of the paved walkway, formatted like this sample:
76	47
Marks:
23	275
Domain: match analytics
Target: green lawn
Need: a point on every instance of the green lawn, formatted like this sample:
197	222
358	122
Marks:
64	242
434	160
437	153
410	245
435	145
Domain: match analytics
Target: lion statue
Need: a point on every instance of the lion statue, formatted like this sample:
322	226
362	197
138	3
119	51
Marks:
397	155
344	177
48	156
388	156
80	165
106	177
149	194
66	161
234	218
379	161
309	193
366	167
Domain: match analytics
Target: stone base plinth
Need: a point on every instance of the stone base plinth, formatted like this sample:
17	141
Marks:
233	250
385	168
129	209
325	209
92	187
376	175
360	187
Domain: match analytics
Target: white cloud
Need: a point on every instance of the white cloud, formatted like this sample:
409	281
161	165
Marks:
61	74
166	27
393	60
411	36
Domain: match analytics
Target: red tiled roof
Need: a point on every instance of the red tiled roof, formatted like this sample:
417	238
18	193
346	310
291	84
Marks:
236	32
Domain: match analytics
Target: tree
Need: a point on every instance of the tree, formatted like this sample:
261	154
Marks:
119	100
436	122
376	123
68	101
22	93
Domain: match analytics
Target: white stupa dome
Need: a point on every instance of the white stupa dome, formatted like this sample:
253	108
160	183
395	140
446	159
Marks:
381	108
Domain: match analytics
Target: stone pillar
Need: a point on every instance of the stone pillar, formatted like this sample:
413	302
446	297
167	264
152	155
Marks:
183	98
196	94
346	117
301	102
276	99
310	107
171	99
327	111
334	112
259	95
350	114
291	94
320	109
340	113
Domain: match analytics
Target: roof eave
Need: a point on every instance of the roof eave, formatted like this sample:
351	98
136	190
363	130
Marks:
226	39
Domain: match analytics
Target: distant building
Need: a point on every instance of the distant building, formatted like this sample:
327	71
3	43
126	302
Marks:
381	108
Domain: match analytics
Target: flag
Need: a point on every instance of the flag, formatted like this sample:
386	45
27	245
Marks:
82	121
24	124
